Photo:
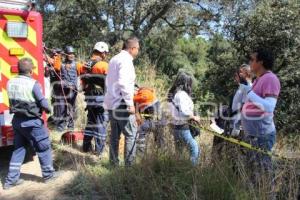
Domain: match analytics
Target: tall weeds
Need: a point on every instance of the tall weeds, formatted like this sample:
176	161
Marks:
164	174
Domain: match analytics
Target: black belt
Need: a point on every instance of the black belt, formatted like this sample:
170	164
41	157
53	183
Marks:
181	127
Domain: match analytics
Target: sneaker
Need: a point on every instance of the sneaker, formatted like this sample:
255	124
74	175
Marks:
53	177
216	128
8	186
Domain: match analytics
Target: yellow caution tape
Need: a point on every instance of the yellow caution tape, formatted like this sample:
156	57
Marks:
234	141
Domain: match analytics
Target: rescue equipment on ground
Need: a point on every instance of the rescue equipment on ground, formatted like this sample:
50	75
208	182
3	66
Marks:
72	137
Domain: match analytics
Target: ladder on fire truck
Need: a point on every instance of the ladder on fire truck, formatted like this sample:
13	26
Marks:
17	4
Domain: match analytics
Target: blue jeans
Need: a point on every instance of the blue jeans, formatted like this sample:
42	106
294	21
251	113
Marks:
145	128
256	160
122	121
259	164
185	136
34	133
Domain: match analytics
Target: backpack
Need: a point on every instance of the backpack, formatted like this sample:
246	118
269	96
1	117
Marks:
96	67
93	80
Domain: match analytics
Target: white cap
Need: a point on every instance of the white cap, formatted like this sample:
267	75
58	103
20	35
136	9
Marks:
102	47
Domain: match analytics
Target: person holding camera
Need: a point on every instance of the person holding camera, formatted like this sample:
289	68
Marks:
258	111
243	76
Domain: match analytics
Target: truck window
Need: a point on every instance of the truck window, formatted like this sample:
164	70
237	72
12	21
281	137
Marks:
17	29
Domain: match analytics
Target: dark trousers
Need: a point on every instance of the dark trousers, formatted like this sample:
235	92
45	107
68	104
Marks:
34	133
122	121
147	127
55	101
66	107
95	128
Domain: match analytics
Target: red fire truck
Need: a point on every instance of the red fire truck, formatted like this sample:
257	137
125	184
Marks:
21	31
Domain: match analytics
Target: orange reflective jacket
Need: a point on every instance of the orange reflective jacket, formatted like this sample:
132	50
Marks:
57	62
144	97
80	68
100	67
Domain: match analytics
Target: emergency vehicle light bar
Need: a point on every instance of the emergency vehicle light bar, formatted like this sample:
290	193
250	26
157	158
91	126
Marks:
17	29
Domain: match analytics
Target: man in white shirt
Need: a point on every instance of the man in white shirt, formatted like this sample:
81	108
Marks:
118	101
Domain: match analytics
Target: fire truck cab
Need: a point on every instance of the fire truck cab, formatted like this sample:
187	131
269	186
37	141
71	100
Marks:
21	31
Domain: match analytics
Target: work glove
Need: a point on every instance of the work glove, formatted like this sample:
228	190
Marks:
215	128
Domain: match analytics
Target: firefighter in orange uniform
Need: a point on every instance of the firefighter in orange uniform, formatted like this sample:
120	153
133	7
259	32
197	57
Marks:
93	82
148	115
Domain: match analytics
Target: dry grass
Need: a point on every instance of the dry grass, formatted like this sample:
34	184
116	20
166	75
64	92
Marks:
166	175
162	174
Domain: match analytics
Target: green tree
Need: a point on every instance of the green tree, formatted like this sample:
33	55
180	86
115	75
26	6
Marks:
274	25
172	55
83	22
222	65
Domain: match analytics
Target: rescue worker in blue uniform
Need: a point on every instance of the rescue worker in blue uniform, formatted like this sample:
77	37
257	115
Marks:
68	93
27	103
93	82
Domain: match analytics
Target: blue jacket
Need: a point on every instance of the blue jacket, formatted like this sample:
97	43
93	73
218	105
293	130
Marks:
69	76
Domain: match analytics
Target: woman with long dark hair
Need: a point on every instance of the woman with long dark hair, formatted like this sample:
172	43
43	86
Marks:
182	108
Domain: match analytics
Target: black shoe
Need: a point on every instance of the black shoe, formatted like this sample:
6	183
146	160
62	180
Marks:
53	177
8	186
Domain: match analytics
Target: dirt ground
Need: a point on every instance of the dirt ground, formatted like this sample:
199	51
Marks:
33	188
65	159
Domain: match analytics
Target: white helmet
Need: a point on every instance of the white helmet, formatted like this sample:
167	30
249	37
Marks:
102	47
